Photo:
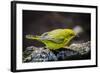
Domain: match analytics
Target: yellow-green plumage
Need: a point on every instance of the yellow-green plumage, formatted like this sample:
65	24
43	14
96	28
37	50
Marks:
55	39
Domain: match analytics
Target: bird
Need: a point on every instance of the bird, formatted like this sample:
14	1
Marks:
54	39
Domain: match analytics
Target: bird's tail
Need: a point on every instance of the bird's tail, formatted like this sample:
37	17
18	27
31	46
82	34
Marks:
32	37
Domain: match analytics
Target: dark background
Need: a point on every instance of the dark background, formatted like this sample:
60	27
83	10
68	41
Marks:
38	22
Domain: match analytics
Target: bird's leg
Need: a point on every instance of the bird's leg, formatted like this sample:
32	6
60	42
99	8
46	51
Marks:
67	44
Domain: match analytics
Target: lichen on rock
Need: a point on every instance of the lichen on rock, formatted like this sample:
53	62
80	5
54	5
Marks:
40	54
82	48
73	52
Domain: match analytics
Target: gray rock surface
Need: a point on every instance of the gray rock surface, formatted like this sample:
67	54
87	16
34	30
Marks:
41	54
82	48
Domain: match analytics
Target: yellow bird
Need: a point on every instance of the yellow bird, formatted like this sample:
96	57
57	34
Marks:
55	39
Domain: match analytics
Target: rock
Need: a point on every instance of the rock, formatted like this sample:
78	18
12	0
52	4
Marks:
31	48
75	51
66	54
82	48
41	55
27	53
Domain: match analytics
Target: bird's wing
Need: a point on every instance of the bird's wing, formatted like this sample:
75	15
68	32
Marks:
57	40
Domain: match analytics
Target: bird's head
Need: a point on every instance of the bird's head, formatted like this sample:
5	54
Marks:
70	33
